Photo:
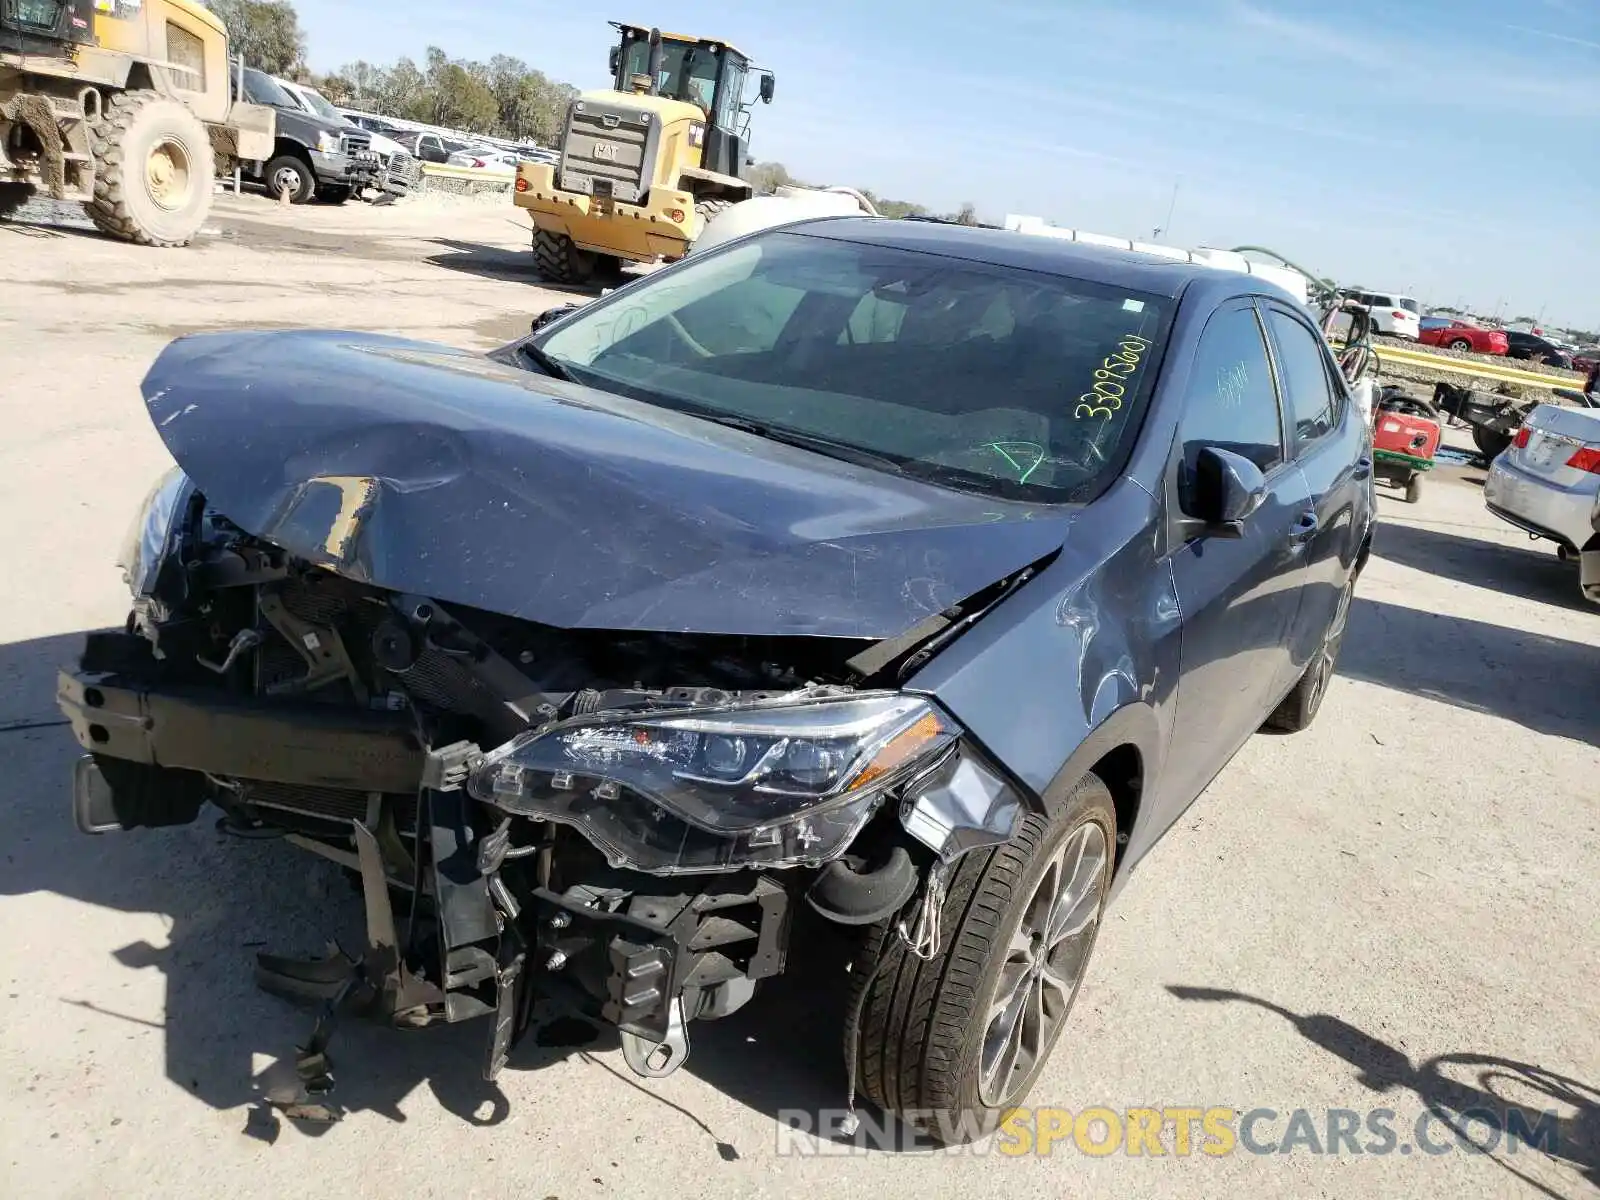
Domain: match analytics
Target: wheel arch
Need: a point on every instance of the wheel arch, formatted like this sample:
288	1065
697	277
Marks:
1121	751
282	146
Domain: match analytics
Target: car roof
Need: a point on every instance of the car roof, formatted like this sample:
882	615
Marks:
1107	265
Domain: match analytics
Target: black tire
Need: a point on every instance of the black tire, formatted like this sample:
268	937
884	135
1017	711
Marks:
154	170
1414	488
12	197
920	1047
334	195
560	261
1299	708
706	209
1460	344
291	175
1490	443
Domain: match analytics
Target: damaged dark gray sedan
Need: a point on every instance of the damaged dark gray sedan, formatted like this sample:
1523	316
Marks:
916	575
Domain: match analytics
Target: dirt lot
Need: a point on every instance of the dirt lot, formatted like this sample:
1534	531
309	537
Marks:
1387	912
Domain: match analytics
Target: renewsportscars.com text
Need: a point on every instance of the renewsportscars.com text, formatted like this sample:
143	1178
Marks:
1173	1131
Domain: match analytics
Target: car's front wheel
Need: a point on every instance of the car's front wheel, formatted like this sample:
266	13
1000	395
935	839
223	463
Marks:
290	175
952	1042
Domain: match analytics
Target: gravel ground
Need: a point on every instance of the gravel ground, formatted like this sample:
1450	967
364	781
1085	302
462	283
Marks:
1393	910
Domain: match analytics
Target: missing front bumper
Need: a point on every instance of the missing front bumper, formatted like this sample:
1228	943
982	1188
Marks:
213	733
624	950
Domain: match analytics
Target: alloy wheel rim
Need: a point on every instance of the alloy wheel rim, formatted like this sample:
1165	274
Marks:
1043	966
1330	646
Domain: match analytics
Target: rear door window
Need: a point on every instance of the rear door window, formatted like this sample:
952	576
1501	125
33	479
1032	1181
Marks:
1308	392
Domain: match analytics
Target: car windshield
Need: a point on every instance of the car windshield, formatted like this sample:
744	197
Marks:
319	102
260	88
1005	381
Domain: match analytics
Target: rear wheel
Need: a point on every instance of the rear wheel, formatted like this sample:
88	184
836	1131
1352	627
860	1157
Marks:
1490	443
154	170
953	1042
559	260
1460	344
1300	706
290	175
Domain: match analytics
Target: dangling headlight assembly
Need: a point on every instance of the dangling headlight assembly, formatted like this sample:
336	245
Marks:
773	784
149	537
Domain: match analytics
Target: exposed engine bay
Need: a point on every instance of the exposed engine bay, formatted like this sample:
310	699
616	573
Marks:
623	821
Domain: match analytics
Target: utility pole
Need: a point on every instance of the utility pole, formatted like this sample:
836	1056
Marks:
1167	227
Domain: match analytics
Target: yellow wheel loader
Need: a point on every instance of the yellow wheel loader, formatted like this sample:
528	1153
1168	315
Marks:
643	166
125	106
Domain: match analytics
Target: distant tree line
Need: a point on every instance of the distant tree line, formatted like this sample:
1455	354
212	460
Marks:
503	97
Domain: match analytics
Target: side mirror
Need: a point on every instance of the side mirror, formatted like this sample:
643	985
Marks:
1225	490
769	83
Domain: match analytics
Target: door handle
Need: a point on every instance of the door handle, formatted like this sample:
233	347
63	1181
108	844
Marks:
1304	529
1363	467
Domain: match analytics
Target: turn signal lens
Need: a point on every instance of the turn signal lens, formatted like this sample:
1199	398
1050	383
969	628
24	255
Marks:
1521	439
676	214
522	184
899	750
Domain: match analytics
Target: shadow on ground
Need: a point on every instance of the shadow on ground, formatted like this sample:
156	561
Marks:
1494	1106
1546	684
1531	571
225	899
499	262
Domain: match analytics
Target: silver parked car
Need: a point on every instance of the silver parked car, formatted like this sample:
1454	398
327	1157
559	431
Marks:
1548	483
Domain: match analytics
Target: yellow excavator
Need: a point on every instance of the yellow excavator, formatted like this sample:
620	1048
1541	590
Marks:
644	165
124	106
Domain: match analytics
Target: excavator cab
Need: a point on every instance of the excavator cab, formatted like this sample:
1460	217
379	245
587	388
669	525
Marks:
644	165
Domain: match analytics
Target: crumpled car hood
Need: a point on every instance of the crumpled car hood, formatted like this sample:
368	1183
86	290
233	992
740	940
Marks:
428	469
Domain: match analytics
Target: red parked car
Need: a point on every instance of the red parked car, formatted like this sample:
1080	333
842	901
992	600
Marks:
1459	335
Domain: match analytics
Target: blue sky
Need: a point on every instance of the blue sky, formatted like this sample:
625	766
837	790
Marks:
1450	148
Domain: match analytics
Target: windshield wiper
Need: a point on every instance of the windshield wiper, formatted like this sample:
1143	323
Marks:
806	441
550	366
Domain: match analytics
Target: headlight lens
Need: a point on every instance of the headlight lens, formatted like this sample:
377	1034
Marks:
774	784
327	143
150	535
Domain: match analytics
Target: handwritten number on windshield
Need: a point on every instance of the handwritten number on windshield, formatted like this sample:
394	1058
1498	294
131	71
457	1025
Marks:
1105	398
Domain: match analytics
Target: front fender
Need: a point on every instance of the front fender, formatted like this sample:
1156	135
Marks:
1079	662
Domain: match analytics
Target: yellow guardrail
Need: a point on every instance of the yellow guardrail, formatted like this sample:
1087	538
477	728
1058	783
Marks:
482	174
1388	352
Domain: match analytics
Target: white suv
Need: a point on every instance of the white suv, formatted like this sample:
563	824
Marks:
1392	313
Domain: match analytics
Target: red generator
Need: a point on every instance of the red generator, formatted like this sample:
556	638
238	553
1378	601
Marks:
1405	438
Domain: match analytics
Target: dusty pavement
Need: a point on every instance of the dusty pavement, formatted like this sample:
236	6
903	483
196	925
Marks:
1394	910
